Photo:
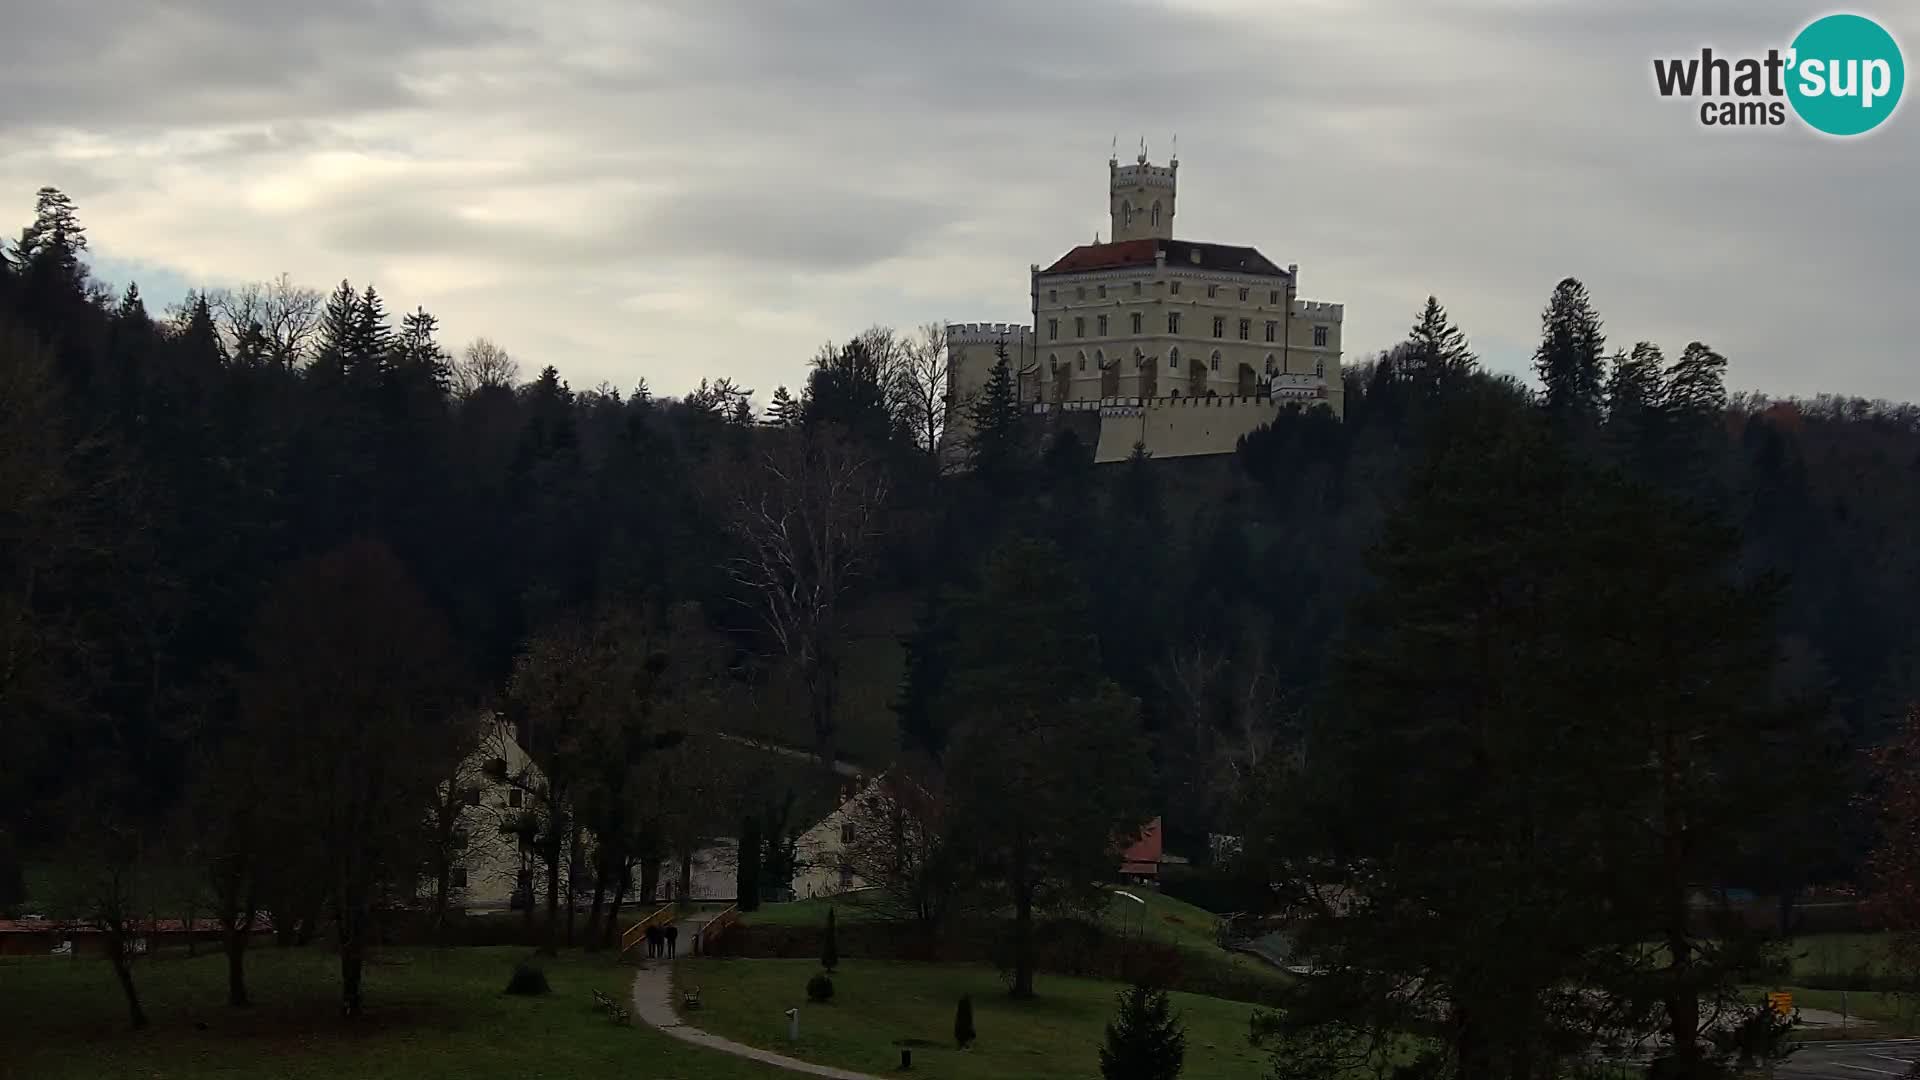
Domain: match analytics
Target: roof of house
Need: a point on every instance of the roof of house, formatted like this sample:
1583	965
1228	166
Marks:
1143	855
1226	257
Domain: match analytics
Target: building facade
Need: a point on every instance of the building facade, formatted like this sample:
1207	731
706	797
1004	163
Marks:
1182	345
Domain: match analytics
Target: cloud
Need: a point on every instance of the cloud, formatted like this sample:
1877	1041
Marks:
686	188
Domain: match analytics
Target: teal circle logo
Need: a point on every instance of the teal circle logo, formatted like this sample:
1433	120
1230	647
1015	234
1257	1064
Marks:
1845	75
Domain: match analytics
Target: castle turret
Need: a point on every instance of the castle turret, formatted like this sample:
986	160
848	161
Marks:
1141	196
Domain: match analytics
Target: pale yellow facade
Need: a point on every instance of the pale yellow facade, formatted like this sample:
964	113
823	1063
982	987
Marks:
1142	326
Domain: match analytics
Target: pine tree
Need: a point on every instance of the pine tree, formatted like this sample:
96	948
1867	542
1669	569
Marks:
131	305
830	947
1696	384
1636	388
420	353
334	337
1568	359
963	1033
1437	352
200	336
1145	1040
784	410
371	343
56	235
994	448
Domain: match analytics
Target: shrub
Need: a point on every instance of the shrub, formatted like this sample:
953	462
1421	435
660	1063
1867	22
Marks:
820	989
1145	1040
963	1033
528	979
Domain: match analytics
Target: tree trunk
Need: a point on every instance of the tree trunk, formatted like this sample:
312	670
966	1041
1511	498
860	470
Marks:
442	882
552	946
686	877
649	881
820	688
1022	921
236	968
118	944
353	948
593	912
612	930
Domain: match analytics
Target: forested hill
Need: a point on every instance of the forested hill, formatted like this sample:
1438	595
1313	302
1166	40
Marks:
161	472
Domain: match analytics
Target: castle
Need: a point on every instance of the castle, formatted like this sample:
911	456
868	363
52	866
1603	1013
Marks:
1180	345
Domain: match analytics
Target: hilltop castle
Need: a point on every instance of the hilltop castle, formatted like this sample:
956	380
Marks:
1184	346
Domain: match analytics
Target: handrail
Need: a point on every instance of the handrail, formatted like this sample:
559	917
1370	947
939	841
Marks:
638	931
719	924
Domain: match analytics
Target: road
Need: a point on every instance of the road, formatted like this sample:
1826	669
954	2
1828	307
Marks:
1851	1060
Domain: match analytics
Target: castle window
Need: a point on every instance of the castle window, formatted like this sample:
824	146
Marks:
1213	291
1246	329
1215	362
1176	392
1080	293
458	878
1136	288
1103	292
1099	359
846	832
513	797
1273	297
1156	215
1103	326
1137	319
1319	369
1219	326
1079	326
1243	294
1053	362
1083	361
1320	335
1053	329
1272	368
1173	322
1174	288
1173	360
1273	328
1126	214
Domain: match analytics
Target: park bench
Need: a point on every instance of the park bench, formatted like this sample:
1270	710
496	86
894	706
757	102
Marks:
691	999
601	1000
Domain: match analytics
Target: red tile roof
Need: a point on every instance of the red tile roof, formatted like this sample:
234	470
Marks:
1147	849
1228	257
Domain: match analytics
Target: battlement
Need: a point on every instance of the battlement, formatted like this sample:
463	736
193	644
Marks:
988	334
1134	406
1128	176
1321	310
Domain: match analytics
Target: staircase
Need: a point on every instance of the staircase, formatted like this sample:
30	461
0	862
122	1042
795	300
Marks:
699	924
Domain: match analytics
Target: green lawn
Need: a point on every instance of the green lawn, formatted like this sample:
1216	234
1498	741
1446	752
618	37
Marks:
877	1006
431	1016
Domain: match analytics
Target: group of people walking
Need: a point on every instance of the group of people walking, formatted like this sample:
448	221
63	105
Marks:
661	941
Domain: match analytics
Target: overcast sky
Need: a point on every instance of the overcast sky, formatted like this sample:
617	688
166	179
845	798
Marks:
712	187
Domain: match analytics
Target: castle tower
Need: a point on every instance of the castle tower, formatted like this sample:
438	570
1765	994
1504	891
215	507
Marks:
1141	198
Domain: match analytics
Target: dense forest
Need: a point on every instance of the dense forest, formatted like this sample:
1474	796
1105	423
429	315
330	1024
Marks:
197	505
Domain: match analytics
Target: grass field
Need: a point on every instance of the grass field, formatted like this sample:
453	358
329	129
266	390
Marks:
431	1016
878	1007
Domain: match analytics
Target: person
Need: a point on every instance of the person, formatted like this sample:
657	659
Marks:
673	937
653	942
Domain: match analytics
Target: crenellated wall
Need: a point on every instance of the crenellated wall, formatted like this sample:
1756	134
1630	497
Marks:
1172	426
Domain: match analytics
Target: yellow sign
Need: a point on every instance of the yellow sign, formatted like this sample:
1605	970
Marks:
1781	1001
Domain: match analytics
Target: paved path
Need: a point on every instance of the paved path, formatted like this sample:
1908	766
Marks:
1851	1060
653	1002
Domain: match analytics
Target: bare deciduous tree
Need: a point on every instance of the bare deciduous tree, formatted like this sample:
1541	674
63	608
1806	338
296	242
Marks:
924	386
483	364
806	518
901	842
288	316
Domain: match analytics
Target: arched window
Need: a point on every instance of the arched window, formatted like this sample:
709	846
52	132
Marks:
1215	362
1176	391
1156	215
1319	369
1099	359
1272	368
1126	215
1139	359
1173	359
1053	362
1083	361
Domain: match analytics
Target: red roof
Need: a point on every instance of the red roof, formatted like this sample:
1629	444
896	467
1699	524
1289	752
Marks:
1227	257
1146	850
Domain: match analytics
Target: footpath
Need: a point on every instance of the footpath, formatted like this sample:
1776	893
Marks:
653	1003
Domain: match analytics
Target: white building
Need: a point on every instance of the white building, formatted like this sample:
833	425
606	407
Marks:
1180	344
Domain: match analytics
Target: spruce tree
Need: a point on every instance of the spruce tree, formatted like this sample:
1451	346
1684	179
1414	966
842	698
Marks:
371	342
830	947
1437	352
963	1033
1696	384
56	236
1145	1040
1568	359
1636	388
994	448
334	336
